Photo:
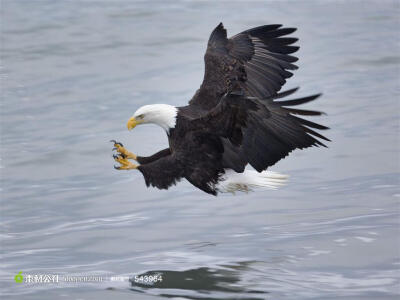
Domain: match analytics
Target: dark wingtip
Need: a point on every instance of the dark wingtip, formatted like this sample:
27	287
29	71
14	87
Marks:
289	30
285	93
297	101
218	35
318	95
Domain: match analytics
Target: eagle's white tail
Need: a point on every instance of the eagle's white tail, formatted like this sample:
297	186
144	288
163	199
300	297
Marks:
250	179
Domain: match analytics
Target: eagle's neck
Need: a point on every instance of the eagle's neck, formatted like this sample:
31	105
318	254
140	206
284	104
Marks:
164	115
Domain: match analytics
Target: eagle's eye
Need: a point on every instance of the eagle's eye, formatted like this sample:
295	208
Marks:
139	117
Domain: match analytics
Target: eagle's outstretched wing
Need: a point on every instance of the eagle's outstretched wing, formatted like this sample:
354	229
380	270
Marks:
256	60
263	131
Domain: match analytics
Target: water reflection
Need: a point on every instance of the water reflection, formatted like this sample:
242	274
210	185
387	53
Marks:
200	283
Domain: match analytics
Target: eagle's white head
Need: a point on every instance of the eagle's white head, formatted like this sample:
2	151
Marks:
163	115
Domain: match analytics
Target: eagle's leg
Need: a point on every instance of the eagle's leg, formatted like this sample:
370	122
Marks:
120	149
125	163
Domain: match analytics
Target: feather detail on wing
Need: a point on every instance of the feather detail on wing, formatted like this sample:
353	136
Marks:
264	130
256	60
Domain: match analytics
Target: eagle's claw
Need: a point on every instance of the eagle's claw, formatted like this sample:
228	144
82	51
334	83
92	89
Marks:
119	147
117	143
125	164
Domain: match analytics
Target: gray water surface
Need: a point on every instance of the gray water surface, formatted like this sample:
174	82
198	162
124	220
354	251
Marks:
72	74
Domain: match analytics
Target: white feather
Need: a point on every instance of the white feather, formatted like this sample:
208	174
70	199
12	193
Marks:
250	179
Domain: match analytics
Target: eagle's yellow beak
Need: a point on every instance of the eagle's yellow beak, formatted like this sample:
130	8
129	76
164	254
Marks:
132	122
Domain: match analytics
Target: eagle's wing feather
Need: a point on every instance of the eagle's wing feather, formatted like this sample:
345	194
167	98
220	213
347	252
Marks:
256	60
228	118
264	130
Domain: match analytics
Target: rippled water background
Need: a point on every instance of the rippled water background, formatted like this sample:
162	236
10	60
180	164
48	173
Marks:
72	73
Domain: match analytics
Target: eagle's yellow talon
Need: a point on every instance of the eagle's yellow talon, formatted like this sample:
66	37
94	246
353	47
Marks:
120	149
125	164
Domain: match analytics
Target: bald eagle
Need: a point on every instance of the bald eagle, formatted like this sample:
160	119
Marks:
237	117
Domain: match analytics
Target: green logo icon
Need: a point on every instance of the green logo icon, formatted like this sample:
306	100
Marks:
19	278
